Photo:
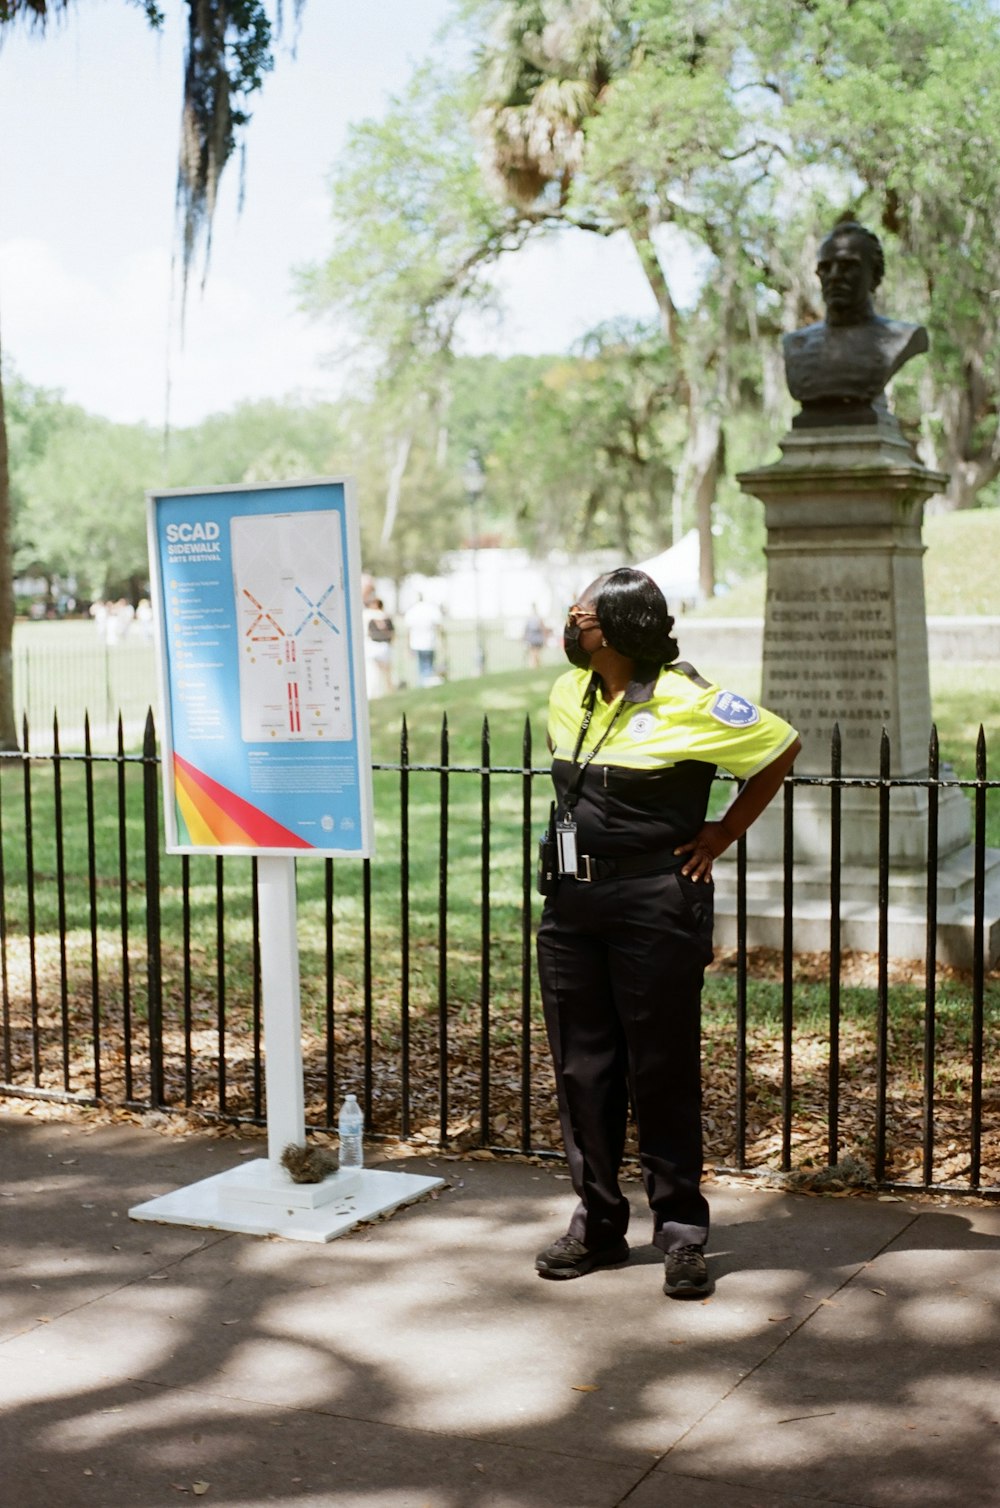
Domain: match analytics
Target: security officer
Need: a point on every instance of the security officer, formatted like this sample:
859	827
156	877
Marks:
626	931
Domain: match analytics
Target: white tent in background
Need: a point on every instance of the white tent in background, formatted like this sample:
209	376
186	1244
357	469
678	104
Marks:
675	572
505	585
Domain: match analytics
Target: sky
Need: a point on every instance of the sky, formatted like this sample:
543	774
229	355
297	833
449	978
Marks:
89	118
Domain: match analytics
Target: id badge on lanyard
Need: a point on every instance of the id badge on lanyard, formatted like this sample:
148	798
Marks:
566	845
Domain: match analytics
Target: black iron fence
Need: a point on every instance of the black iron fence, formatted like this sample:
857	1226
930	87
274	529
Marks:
131	978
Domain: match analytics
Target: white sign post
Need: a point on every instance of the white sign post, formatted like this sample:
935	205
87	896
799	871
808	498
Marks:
256	593
279	979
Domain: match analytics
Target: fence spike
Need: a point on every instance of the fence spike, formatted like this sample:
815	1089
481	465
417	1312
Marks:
836	751
981	754
933	753
404	742
884	754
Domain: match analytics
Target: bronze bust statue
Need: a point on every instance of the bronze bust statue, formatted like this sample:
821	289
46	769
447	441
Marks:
837	369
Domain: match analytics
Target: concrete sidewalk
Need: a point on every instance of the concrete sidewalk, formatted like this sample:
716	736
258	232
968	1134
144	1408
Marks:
849	1354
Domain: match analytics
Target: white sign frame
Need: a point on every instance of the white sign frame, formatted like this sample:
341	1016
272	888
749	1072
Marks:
222	502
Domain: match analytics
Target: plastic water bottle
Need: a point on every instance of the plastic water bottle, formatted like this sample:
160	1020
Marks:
350	1127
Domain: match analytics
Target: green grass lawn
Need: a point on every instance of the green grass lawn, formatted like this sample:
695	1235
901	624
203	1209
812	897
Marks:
217	958
64	668
63	665
510	706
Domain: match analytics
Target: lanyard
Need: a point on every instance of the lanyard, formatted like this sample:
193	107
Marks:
573	790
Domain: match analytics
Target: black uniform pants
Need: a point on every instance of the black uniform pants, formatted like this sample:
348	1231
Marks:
621	964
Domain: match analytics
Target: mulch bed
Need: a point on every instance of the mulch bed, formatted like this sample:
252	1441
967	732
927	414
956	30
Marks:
808	1131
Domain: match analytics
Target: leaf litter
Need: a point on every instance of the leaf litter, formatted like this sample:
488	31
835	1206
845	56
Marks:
807	1133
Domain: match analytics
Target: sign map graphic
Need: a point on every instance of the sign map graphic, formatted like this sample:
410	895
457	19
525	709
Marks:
294	660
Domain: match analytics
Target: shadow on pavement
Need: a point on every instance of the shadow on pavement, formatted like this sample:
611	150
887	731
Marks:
848	1354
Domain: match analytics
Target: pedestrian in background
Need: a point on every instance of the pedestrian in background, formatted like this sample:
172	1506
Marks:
423	620
379	635
535	637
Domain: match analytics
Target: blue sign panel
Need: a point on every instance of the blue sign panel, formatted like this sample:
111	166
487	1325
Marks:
258	611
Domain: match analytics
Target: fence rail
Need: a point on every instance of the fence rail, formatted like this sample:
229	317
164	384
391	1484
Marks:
130	977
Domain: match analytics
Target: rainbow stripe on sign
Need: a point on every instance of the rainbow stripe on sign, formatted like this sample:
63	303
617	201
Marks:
212	816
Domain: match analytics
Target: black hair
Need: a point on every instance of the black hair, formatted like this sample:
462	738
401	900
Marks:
872	244
634	619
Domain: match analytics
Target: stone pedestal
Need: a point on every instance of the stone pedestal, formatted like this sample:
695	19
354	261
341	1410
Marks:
859	920
845	643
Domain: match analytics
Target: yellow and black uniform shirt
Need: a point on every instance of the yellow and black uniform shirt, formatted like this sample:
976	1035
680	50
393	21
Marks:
648	786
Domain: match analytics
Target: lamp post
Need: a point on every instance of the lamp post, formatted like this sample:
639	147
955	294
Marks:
475	480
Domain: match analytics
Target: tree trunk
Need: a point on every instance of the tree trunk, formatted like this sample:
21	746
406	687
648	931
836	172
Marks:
972	463
8	726
970	471
968	478
642	241
697	478
698	472
396	474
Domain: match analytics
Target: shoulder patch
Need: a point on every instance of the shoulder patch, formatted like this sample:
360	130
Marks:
734	710
686	668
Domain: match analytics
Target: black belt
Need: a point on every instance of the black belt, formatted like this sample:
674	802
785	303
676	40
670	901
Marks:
593	867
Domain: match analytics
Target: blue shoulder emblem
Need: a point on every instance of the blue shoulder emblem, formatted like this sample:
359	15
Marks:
734	710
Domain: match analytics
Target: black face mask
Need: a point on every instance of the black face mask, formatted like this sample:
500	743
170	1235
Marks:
571	643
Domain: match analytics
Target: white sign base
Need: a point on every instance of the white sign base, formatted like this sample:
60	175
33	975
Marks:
259	1198
252	1199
